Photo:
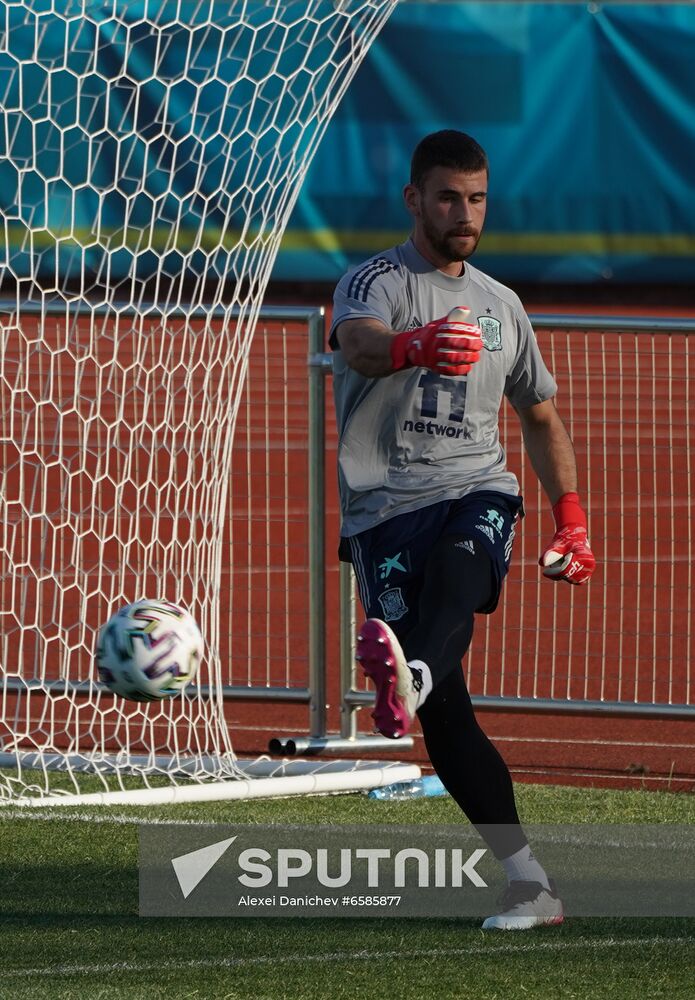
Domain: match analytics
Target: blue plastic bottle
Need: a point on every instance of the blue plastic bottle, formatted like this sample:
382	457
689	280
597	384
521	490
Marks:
428	786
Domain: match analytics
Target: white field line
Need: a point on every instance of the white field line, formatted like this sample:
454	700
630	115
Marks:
635	779
579	741
564	741
123	819
120	819
342	956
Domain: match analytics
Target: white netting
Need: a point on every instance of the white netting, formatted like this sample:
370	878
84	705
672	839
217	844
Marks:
151	153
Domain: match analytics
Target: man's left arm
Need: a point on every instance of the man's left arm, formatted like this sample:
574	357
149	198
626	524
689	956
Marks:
550	449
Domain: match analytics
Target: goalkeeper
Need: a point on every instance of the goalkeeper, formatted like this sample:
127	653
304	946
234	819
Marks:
425	347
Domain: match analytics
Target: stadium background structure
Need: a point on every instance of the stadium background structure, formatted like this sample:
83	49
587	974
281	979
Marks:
54	251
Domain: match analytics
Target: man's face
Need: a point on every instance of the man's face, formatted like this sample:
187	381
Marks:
449	213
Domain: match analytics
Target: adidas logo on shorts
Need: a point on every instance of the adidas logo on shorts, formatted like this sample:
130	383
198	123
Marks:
466	544
486	530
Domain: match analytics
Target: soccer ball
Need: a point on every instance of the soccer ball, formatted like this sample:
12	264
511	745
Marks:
149	651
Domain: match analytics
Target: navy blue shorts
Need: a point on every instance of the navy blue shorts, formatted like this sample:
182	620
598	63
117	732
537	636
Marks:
390	559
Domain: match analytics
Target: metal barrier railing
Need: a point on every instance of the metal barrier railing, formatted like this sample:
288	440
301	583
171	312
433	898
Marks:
489	688
319	740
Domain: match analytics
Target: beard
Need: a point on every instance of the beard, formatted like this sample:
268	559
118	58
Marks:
446	244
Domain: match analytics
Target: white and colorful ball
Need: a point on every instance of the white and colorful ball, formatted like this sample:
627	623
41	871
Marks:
149	650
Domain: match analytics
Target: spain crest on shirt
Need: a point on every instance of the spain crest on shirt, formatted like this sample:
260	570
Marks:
491	331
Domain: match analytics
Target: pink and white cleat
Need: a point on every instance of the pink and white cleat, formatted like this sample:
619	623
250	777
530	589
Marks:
397	686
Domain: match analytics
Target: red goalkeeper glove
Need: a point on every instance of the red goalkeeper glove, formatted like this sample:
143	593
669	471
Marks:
449	346
568	557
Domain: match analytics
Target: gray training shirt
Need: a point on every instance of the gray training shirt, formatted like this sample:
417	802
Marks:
415	437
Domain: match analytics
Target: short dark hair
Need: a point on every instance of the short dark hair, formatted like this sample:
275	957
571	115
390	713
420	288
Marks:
448	148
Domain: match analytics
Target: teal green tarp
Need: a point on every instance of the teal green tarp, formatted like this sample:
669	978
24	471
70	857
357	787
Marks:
587	112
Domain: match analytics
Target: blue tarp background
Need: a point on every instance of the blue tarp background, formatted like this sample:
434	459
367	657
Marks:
587	112
588	119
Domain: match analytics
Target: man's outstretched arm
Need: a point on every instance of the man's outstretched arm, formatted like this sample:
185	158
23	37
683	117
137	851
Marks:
550	449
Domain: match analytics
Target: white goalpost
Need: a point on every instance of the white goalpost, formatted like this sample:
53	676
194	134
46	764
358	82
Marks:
151	154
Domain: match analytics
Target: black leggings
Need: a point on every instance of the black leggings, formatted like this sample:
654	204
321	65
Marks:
457	583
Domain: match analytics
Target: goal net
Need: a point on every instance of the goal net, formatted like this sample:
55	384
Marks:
150	156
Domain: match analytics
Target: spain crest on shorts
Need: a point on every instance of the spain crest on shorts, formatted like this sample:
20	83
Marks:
393	605
491	331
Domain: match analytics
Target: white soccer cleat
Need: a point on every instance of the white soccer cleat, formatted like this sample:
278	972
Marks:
525	905
397	686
